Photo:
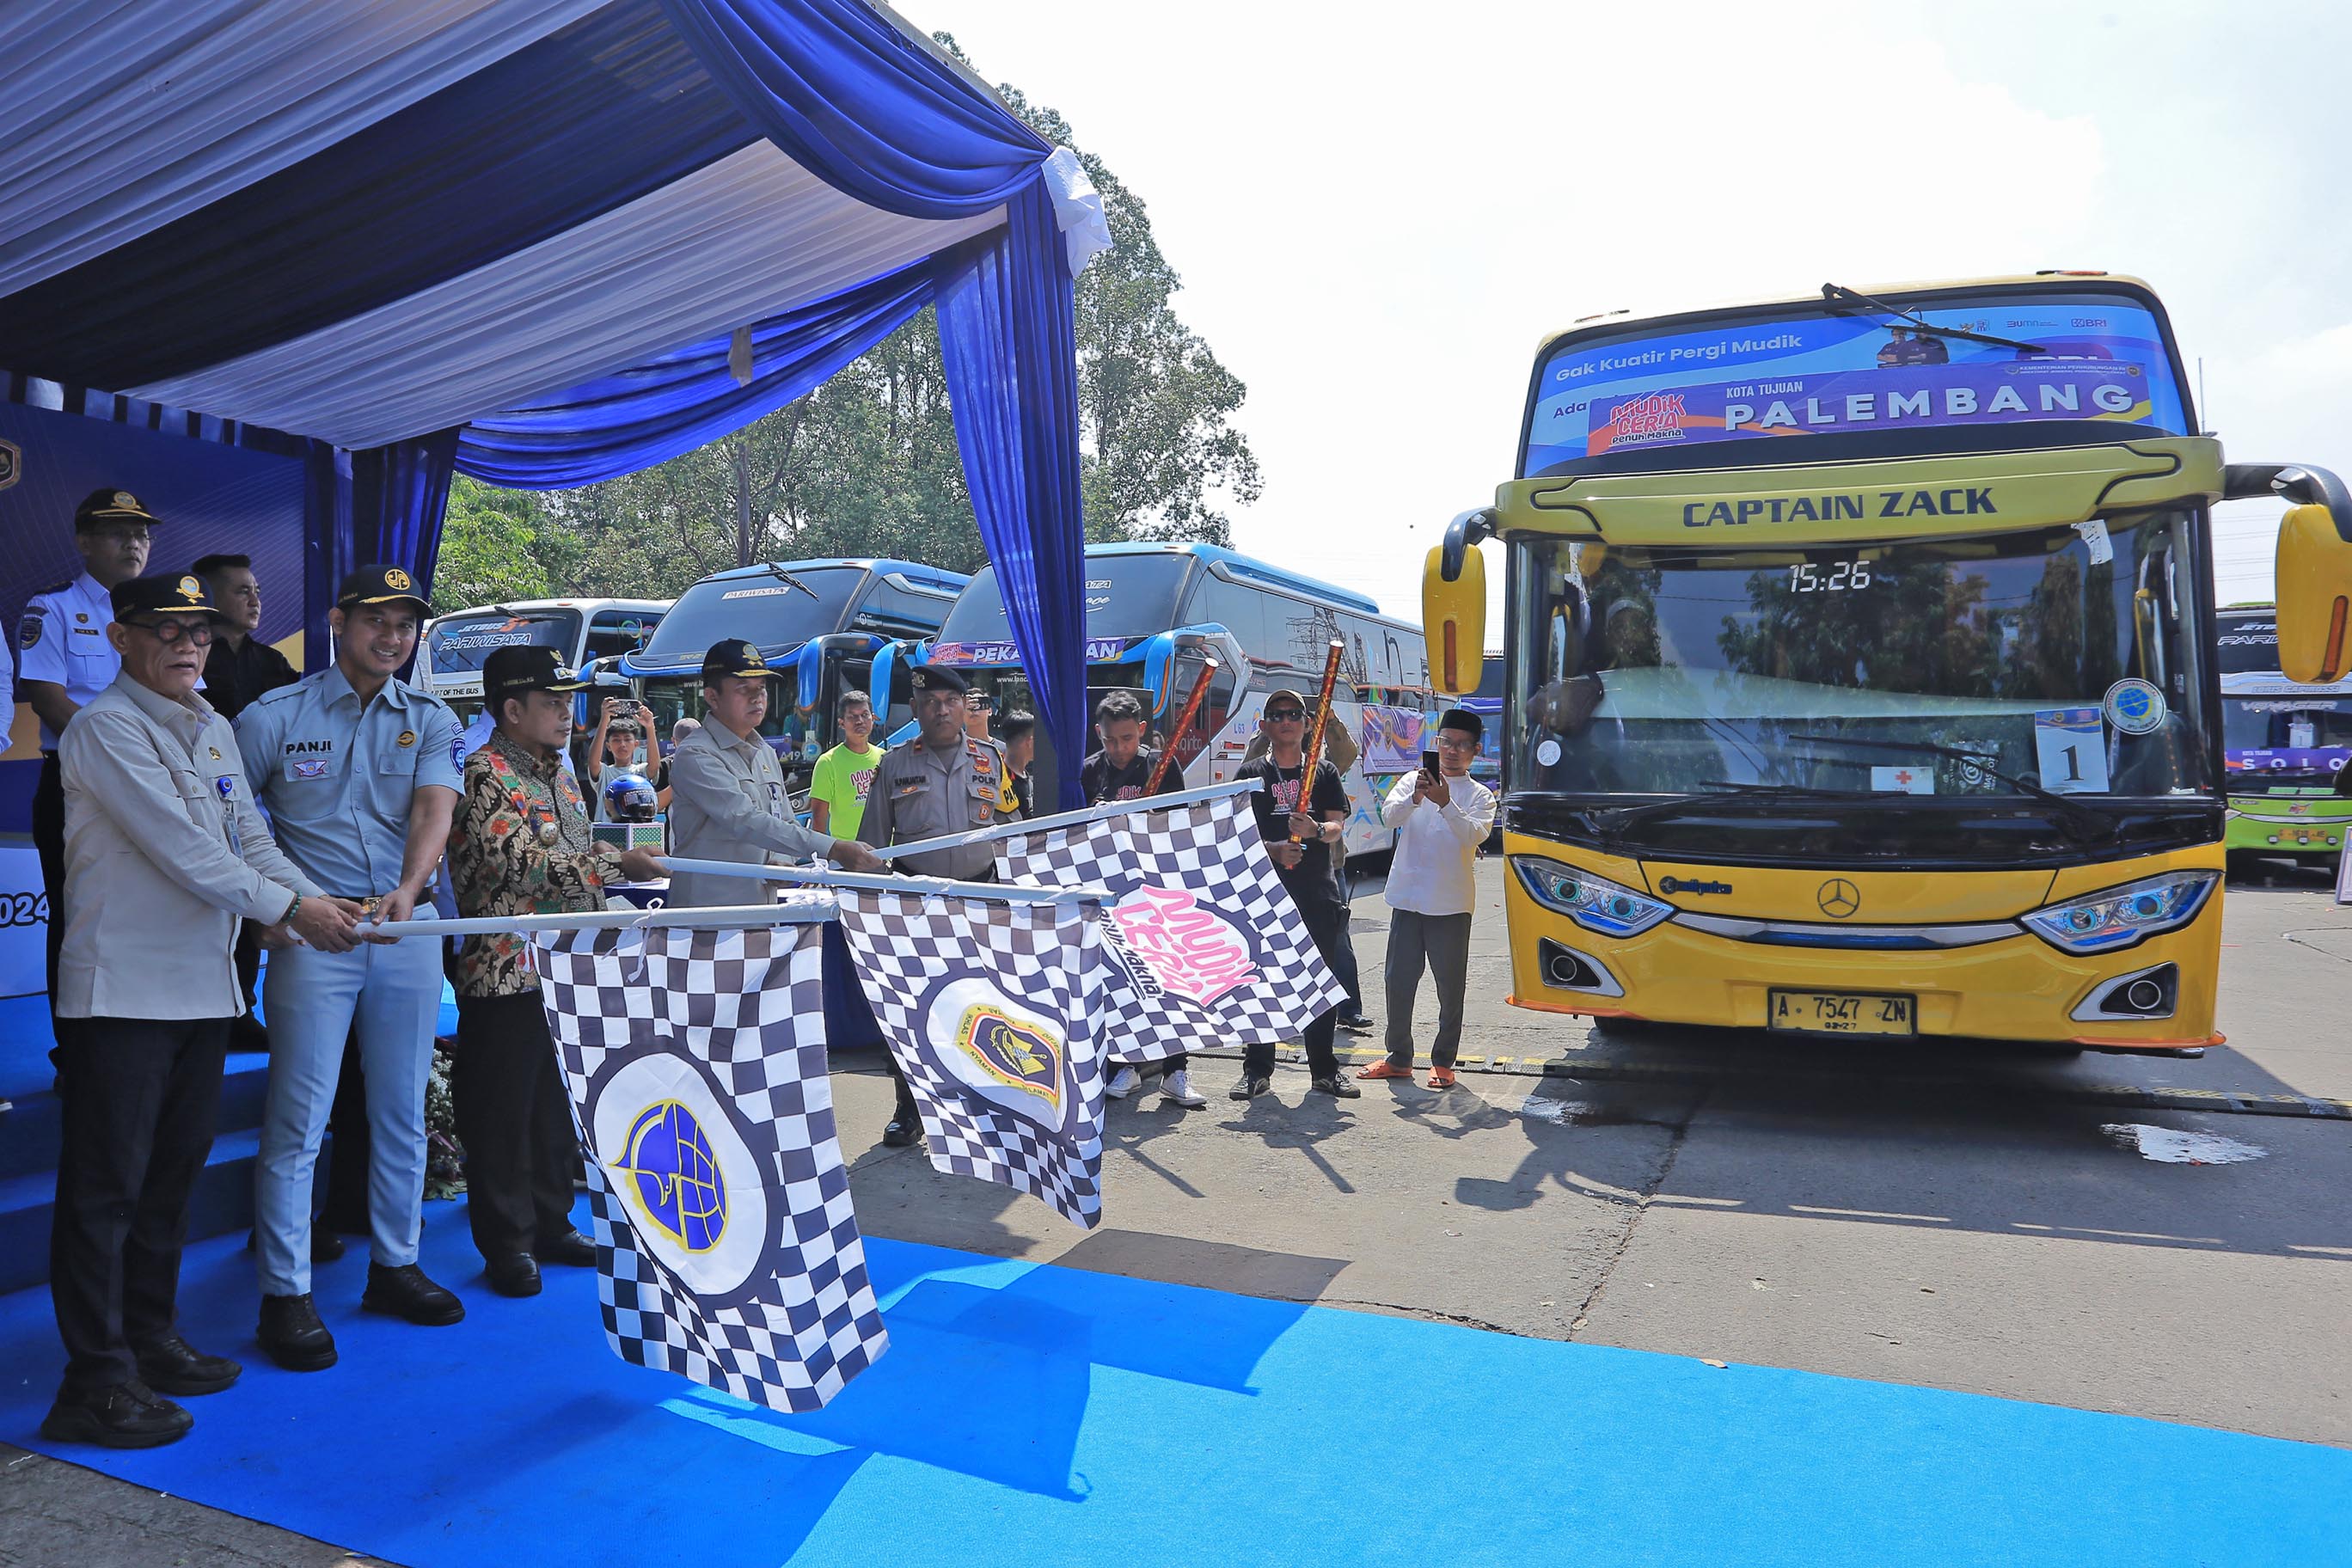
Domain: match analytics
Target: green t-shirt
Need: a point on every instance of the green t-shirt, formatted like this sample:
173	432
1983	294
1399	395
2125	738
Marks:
841	780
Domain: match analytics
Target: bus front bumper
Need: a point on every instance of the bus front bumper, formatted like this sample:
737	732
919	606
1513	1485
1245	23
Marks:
2016	988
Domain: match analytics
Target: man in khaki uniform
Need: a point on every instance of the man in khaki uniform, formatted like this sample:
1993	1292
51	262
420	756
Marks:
728	800
942	780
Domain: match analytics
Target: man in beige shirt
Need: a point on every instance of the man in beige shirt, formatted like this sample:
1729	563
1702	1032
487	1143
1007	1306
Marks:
165	853
728	800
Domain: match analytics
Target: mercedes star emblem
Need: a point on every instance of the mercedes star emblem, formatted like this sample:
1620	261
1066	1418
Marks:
1839	898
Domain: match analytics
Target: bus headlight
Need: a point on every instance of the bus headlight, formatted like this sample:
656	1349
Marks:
1593	902
2118	916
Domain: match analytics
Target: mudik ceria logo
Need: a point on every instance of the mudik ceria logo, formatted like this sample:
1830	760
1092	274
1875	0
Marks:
1173	944
1019	1055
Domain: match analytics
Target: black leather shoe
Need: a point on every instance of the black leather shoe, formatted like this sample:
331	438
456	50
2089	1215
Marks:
1356	1023
325	1245
292	1336
172	1365
516	1274
572	1249
126	1416
406	1292
906	1131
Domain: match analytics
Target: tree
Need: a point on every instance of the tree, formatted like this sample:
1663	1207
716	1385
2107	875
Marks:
867	463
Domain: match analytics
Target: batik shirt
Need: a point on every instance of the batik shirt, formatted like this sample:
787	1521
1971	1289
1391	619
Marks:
521	846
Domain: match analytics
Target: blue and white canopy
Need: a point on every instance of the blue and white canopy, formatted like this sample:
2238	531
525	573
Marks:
544	242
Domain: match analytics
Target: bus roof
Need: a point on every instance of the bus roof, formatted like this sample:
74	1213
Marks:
877	564
1612	321
1247	566
577	602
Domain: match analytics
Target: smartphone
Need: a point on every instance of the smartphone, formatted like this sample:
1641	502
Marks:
1429	763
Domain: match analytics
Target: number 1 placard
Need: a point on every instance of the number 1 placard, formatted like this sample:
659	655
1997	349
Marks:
2070	745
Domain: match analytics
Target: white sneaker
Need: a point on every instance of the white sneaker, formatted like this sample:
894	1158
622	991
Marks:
1177	1086
1124	1082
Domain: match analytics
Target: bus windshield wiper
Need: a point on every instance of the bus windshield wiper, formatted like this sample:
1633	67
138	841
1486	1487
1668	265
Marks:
781	575
1836	294
2085	820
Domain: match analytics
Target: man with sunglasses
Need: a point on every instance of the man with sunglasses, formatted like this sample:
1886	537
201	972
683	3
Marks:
164	852
65	659
1300	819
1441	819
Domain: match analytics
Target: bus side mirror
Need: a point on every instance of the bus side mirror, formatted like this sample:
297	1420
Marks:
1454	605
2315	595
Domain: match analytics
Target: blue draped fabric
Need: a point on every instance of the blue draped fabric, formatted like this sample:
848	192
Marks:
860	105
651	413
388	504
1008	343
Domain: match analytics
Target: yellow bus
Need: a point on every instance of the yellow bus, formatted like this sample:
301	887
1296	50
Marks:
1859	671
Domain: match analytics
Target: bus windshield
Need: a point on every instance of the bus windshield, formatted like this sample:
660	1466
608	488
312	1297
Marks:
1998	665
765	610
1127	596
458	645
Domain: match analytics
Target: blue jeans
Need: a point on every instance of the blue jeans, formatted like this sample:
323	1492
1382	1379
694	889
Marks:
392	992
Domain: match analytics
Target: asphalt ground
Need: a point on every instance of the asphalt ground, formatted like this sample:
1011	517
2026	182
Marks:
1951	1216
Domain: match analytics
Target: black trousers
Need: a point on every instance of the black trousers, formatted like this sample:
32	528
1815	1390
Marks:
1323	916
49	843
141	1098
514	1117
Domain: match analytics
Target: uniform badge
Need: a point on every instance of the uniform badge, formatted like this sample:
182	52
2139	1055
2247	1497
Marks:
547	831
216	752
191	589
303	768
408	737
125	499
28	630
82	616
396	580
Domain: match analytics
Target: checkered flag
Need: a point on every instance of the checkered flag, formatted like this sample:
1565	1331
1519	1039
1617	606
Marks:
1201	944
983	1003
727	1249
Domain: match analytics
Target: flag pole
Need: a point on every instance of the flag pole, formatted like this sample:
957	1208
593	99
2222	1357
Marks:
1108	808
943	887
1315	736
731	917
1183	723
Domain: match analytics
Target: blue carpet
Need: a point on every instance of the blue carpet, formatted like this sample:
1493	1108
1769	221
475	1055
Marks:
1033	1414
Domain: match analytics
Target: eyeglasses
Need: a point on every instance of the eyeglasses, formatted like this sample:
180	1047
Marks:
1456	743
171	633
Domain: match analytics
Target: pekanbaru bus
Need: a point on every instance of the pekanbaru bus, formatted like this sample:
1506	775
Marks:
1155	612
2284	745
1859	664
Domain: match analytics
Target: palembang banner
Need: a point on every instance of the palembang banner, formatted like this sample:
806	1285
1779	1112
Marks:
1201	944
727	1248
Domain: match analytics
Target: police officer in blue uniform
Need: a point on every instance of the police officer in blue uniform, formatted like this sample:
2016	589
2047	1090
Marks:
357	768
65	659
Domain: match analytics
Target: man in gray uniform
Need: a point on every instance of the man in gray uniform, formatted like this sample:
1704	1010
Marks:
942	780
164	854
355	766
728	800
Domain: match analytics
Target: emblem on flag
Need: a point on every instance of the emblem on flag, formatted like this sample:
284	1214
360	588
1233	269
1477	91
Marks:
1201	944
984	1007
727	1248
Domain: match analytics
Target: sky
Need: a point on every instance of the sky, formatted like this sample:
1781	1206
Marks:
1379	212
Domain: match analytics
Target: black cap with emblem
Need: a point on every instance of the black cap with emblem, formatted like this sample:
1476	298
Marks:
733	656
511	671
164	593
380	585
108	505
938	677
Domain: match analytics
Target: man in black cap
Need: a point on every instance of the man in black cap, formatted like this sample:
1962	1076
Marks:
166	852
940	780
359	772
521	845
65	659
728	800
